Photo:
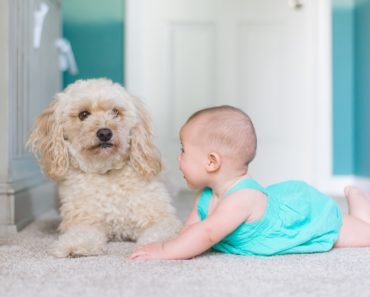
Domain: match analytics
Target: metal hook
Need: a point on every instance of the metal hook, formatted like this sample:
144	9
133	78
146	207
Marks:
296	4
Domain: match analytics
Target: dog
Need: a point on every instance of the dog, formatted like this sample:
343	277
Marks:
95	140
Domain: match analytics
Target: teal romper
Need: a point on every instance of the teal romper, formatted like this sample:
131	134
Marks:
298	219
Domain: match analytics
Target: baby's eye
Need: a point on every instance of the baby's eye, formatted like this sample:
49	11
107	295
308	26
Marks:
83	115
115	112
182	150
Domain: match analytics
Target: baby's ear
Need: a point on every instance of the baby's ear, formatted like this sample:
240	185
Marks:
213	162
47	143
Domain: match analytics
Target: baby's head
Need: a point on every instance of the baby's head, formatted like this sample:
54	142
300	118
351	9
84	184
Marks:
226	130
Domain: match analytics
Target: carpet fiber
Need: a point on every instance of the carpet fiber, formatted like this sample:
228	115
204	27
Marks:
27	270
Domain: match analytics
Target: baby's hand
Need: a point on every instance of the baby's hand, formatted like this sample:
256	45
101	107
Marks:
150	251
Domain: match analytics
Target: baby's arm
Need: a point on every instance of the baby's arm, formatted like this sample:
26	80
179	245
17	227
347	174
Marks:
200	236
193	216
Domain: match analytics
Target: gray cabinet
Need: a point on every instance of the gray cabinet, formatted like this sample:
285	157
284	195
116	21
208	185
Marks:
29	78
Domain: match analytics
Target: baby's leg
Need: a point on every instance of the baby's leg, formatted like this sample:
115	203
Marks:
354	233
358	203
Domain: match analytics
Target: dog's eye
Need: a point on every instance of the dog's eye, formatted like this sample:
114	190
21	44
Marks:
115	112
83	115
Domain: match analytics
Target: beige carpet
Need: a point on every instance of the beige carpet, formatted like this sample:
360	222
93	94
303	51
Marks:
27	270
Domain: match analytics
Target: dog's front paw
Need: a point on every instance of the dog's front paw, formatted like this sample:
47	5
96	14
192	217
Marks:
61	249
164	230
81	241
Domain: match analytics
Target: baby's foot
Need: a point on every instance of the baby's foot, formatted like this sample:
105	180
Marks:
353	192
358	203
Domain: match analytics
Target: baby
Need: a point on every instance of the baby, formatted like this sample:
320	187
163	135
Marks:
235	214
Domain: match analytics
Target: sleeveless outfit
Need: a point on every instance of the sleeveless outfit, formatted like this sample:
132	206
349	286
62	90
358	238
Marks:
297	219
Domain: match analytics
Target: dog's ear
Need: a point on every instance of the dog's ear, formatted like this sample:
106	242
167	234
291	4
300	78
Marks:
144	156
47	143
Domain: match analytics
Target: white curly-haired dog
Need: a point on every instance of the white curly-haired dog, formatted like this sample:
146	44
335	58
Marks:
95	140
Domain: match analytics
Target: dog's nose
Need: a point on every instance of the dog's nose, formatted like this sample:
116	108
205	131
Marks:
104	134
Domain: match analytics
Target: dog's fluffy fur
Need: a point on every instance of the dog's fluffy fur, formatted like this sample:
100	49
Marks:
109	185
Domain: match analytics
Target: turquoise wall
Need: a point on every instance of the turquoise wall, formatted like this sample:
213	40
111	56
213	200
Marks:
362	89
343	87
351	87
95	30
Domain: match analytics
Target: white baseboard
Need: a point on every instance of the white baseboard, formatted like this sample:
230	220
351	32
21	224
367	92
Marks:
7	230
363	183
334	185
23	201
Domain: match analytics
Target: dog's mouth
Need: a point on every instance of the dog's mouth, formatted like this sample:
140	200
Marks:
105	145
101	148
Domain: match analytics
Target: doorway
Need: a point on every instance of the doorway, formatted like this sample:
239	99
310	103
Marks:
270	58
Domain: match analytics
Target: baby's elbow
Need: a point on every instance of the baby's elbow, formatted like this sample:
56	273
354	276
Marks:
212	235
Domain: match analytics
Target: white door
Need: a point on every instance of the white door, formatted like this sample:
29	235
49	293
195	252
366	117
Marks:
258	55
